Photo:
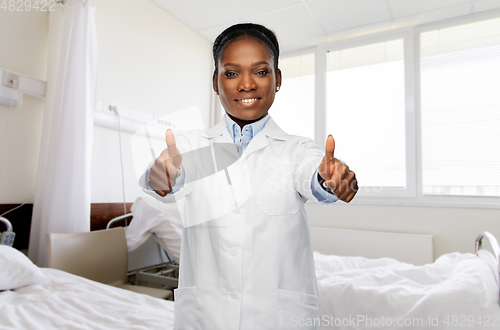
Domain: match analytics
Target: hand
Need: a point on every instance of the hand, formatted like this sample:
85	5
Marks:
338	177
166	168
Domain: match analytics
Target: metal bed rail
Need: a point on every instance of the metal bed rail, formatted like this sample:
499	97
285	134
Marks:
121	217
7	237
496	251
7	223
129	215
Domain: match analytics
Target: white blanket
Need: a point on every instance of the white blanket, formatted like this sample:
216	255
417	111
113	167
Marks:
70	302
458	291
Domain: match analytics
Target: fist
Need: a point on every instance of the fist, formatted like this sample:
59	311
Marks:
338	177
166	168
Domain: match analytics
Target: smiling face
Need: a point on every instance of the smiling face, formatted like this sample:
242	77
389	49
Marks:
246	80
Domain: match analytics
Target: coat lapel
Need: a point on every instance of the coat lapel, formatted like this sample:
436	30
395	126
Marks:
223	147
272	135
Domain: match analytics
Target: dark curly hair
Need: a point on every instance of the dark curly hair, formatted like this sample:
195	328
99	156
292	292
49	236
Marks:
238	31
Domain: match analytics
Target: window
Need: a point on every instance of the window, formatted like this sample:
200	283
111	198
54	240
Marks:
365	111
460	109
293	108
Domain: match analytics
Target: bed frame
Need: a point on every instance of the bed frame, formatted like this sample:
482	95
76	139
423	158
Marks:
496	251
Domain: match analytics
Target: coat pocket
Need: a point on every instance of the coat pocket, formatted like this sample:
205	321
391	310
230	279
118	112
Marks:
298	310
278	205
184	308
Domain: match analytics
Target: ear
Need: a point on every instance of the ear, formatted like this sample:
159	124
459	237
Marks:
278	77
214	84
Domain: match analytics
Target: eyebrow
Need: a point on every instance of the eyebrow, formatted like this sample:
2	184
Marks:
255	64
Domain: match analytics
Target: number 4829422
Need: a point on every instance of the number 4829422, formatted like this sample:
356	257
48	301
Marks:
471	320
27	5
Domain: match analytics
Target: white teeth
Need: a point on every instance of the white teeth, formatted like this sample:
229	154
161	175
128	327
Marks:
248	100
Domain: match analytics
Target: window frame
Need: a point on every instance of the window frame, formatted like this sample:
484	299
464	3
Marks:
412	194
320	133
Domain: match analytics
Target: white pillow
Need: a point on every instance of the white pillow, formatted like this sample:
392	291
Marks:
16	270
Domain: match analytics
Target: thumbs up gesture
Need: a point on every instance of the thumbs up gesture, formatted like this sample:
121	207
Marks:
338	177
166	168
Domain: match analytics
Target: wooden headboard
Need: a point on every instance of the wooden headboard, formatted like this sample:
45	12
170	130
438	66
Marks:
100	214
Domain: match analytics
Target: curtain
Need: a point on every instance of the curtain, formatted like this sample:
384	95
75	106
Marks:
62	193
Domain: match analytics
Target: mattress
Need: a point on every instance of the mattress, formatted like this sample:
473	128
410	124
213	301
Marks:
66	301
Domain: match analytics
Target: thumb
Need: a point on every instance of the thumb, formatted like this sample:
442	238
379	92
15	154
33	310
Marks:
329	150
327	167
173	152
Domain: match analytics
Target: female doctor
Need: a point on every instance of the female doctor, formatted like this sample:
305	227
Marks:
246	255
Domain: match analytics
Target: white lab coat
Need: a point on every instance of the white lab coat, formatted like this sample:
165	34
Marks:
246	255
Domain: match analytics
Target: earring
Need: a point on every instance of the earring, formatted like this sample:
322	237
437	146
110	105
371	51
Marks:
277	88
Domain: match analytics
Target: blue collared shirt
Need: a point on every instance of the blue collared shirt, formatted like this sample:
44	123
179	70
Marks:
242	137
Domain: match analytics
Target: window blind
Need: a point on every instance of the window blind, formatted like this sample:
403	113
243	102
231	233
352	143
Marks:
460	109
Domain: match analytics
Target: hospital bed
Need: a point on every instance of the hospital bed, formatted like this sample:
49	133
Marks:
457	291
44	298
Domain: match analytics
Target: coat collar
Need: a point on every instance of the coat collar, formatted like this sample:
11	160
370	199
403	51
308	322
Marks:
271	131
217	130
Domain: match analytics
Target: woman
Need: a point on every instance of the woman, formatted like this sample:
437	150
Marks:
246	255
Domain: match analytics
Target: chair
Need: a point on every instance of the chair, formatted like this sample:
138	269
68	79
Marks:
99	255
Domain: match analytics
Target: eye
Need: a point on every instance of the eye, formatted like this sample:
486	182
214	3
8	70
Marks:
229	74
262	72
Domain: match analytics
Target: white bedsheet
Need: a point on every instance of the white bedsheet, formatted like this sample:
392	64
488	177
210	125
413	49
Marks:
458	291
67	301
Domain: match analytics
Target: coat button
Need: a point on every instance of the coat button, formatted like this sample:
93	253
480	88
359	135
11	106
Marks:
234	295
233	251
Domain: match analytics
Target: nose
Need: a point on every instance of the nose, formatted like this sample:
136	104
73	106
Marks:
246	83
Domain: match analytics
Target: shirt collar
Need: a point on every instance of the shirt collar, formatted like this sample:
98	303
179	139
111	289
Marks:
251	129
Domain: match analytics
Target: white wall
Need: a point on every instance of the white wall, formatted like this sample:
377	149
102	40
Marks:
23	49
148	61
